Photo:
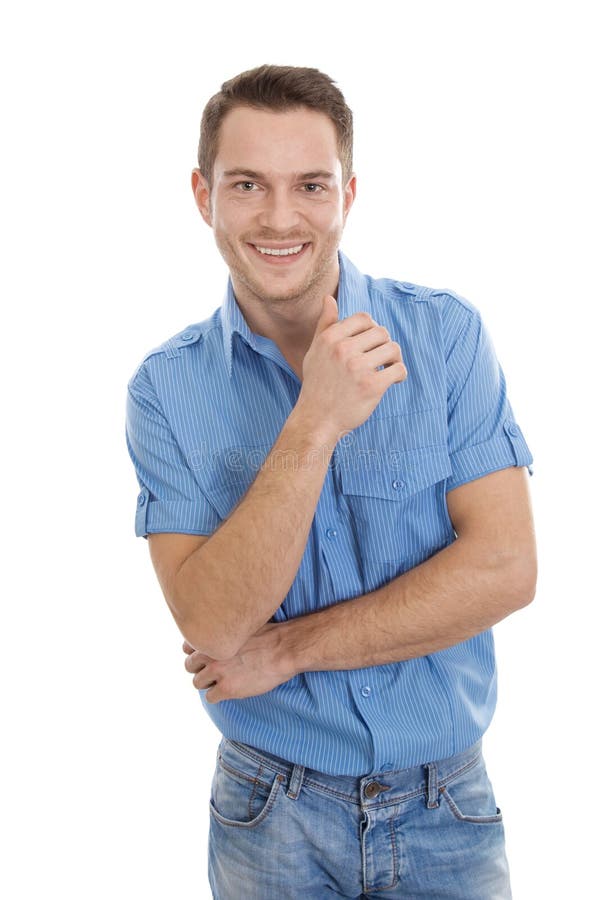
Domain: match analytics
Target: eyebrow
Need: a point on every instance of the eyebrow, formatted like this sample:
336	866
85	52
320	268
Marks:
259	176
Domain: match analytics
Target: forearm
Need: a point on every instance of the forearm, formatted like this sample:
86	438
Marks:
233	583
456	594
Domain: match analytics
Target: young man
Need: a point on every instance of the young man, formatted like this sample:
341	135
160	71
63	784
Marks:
334	492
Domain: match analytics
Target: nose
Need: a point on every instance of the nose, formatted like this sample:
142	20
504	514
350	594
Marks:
279	211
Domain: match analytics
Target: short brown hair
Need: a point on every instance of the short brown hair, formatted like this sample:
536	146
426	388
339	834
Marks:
276	88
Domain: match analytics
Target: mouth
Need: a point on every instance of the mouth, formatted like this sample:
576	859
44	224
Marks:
279	256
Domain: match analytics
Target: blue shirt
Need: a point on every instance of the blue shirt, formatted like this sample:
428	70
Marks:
203	411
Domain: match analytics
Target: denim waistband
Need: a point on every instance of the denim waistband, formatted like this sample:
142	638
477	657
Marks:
391	786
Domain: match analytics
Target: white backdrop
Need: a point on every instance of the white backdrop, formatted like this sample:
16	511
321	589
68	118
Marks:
476	155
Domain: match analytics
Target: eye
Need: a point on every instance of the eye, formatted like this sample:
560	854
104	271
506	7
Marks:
313	188
247	187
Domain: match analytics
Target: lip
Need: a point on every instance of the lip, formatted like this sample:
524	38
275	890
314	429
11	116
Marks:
279	260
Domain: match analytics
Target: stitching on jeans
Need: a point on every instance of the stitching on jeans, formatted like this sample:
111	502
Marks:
231	823
468	765
267	764
253	794
395	872
239	774
475	820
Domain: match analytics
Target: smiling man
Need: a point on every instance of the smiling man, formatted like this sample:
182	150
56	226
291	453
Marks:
334	492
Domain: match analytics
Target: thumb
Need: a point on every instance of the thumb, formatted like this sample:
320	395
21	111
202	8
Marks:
329	314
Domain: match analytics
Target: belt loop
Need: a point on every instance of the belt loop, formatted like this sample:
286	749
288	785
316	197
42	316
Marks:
296	779
432	786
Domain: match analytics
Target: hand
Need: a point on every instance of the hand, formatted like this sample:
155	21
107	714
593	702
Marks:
256	668
341	381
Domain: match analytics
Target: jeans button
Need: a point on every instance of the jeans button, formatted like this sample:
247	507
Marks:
374	788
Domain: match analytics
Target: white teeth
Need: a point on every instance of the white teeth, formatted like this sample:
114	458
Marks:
271	251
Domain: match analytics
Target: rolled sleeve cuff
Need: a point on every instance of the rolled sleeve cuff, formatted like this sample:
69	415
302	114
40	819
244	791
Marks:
507	448
176	516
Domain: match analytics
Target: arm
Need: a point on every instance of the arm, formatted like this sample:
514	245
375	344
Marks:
486	574
223	588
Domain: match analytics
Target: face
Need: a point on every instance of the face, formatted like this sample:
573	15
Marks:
277	205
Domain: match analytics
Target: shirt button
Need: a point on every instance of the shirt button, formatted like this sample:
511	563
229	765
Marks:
141	499
398	485
408	285
514	430
331	534
365	691
187	336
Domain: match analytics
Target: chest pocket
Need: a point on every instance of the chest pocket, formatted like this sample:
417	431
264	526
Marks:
399	508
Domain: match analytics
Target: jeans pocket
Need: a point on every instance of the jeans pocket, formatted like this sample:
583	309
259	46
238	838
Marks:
243	791
470	797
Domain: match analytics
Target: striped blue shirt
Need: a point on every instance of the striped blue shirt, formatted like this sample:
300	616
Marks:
205	407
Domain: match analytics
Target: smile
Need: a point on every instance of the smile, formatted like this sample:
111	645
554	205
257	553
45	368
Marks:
273	251
280	255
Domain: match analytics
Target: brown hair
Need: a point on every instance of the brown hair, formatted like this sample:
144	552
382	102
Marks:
276	88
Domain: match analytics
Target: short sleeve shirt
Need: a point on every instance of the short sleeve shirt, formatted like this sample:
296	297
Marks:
204	410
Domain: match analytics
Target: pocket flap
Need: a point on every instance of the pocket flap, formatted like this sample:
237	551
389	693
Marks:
403	474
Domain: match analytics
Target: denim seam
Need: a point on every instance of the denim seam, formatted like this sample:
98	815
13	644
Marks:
231	823
339	794
254	790
474	820
252	779
395	873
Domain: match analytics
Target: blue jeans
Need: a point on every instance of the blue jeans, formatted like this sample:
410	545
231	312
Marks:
279	831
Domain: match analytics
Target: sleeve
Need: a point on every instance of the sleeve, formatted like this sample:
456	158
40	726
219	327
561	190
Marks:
170	499
483	435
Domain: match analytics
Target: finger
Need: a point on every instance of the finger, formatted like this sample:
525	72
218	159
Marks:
214	694
369	339
393	374
202	682
329	314
187	647
195	662
385	355
354	324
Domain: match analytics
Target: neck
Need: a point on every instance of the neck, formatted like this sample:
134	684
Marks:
290	323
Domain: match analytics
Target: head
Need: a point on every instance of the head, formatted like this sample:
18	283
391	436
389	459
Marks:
275	173
278	89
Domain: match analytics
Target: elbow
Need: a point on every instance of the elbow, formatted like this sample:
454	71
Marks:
216	645
209	634
522	581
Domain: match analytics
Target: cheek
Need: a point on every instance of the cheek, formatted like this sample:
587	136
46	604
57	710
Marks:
329	217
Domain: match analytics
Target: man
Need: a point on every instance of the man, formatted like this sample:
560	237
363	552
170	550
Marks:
334	492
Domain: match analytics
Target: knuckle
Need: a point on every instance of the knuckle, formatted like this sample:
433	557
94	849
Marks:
340	351
354	364
383	332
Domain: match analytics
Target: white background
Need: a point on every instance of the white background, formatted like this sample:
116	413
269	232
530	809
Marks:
476	155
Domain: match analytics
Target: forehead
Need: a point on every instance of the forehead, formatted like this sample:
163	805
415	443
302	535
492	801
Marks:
296	139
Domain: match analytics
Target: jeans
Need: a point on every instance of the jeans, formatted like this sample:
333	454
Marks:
279	830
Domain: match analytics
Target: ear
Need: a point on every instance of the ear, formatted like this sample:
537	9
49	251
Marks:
349	195
201	191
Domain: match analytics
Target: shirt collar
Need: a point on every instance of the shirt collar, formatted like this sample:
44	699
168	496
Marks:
353	296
